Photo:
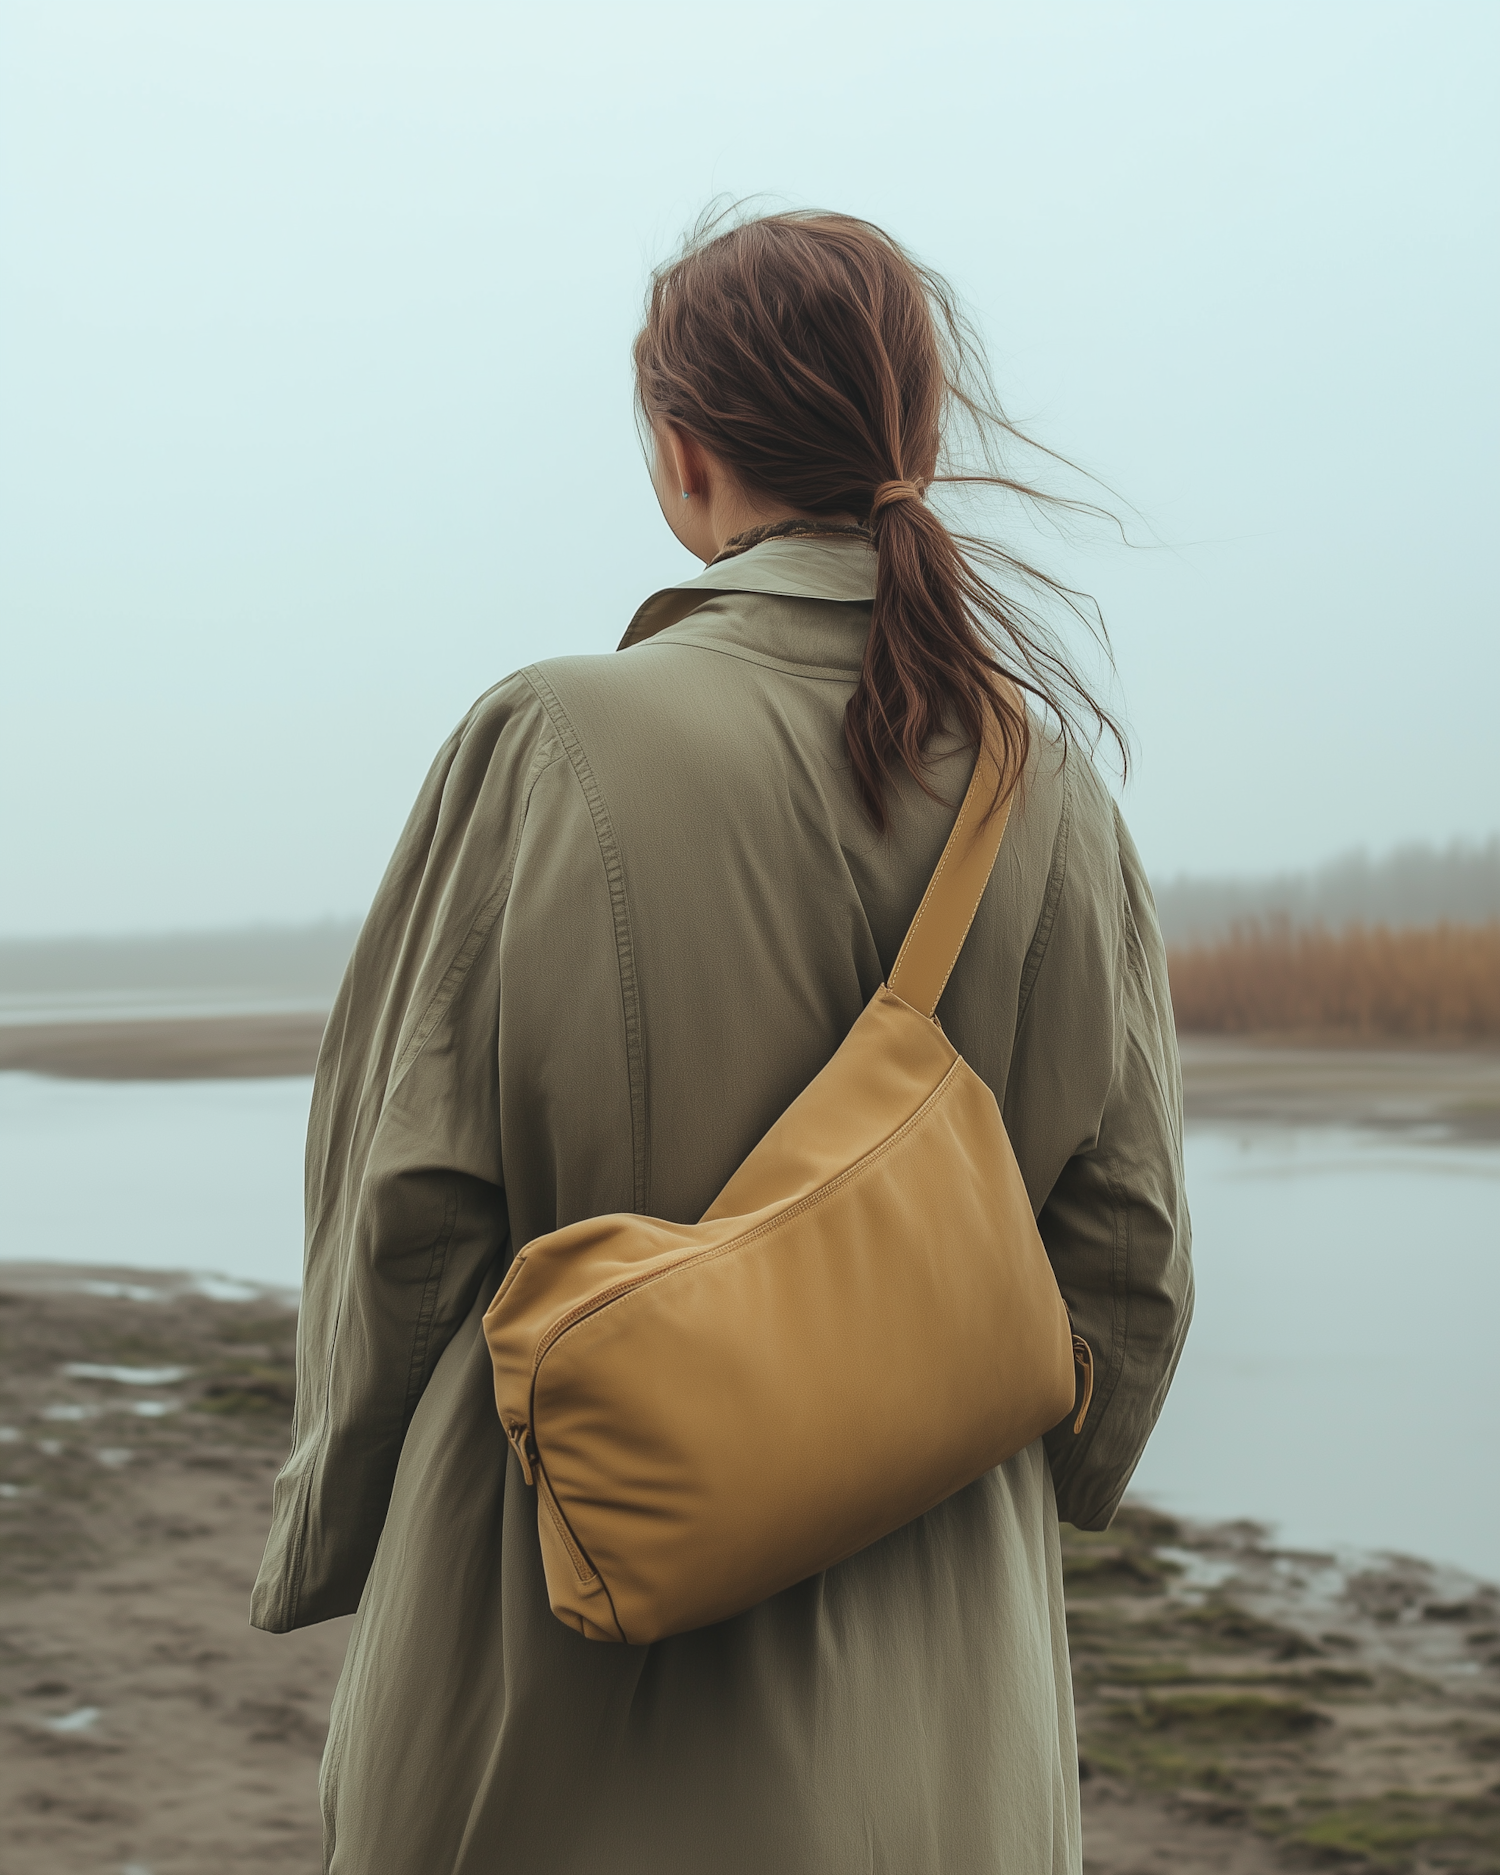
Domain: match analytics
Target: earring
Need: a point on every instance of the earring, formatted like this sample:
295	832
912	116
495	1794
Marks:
686	496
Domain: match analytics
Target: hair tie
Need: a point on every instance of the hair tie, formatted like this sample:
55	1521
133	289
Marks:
889	492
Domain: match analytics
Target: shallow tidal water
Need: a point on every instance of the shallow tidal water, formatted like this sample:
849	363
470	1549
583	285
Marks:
1338	1382
180	1175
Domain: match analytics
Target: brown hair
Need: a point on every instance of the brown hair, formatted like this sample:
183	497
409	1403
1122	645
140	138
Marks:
822	365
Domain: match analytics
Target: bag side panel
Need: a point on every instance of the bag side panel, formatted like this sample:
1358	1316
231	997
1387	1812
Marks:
562	1271
576	1593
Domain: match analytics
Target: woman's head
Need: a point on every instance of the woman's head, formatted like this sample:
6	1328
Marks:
819	366
801	350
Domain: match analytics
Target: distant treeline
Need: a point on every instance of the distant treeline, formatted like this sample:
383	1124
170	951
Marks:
1415	885
1363	982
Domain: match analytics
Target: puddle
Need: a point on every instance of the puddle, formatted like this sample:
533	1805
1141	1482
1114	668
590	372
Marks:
1415	1616
74	1410
77	1721
113	1457
225	1289
1200	1574
122	1292
127	1376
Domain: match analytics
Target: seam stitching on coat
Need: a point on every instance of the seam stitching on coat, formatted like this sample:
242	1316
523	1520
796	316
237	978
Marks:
484	922
1119	1316
452	977
437	1261
814	673
1120	1299
1042	937
1108	1377
293	1594
328	1780
1108	1380
614	873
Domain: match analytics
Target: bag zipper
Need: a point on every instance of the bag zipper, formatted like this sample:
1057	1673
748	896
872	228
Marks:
524	1447
624	1287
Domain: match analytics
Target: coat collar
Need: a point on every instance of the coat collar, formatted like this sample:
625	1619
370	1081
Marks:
840	570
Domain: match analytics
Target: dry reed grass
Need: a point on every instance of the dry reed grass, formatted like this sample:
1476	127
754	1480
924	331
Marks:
1365	982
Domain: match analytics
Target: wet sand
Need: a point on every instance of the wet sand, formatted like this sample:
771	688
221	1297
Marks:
1452	1093
145	1724
192	1048
1241	1710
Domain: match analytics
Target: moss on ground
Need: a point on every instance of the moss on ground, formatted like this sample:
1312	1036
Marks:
238	1387
1246	1722
1401	1831
1122	1559
1222	1715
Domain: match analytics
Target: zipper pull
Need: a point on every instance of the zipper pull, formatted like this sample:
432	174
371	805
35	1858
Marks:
1083	1356
521	1445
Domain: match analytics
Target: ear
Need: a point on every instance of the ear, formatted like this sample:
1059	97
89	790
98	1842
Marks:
681	458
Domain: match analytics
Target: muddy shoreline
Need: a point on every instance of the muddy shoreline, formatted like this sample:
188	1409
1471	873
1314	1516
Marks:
174	1048
1241	1709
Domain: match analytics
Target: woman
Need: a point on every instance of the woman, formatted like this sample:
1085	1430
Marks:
640	901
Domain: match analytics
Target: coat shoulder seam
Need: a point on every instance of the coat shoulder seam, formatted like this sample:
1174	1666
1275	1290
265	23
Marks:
810	673
479	930
614	874
1051	898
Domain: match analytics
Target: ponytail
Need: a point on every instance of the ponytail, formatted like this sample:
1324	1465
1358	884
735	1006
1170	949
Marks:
820	363
925	665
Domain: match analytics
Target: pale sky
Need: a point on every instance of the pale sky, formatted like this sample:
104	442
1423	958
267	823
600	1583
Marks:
315	408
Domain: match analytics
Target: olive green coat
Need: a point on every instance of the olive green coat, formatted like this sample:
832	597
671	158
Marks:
635	910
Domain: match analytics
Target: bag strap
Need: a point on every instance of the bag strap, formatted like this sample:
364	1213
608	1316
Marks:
937	932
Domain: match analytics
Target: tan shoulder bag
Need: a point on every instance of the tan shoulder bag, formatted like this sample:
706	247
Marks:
863	1322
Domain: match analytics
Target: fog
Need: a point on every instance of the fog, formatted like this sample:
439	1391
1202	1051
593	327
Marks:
315	401
1415	885
284	965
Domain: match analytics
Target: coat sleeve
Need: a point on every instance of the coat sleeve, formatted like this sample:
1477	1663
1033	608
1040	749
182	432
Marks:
1115	1220
405	1206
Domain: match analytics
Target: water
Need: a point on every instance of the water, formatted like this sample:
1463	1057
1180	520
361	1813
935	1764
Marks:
1337	1383
184	1175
